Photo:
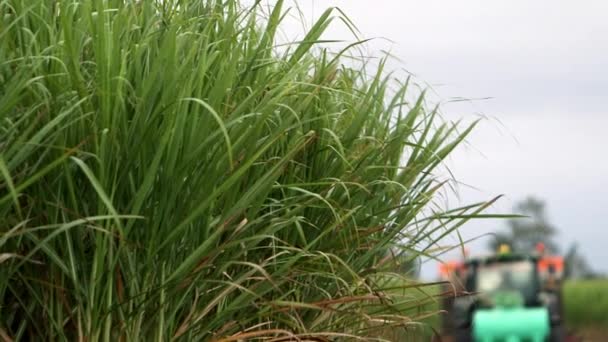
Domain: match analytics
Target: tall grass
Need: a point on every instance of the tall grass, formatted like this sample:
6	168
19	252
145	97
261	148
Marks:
167	173
586	304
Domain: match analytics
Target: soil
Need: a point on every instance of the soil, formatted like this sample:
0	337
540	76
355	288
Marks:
597	334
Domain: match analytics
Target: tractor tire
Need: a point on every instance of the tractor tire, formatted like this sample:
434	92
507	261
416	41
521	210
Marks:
558	334
463	335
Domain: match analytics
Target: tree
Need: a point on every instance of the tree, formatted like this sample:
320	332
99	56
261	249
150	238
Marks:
576	264
525	233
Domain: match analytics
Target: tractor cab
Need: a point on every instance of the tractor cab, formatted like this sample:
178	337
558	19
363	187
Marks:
504	277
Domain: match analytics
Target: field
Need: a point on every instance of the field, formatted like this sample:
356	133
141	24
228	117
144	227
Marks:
168	173
586	306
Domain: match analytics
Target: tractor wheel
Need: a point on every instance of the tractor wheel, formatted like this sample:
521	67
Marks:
557	334
463	335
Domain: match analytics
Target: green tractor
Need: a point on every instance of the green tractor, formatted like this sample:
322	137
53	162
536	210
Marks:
508	297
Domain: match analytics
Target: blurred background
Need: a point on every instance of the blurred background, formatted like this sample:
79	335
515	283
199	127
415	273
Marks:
537	72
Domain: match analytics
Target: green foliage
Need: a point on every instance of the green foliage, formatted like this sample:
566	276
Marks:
586	303
425	306
166	173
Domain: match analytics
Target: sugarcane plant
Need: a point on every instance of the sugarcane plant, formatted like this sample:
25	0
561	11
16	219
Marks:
167	172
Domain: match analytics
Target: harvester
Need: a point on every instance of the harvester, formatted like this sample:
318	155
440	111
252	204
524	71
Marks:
508	297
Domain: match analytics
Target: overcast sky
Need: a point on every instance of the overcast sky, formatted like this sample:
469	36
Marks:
545	66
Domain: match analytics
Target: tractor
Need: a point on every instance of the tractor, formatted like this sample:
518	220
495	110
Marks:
508	297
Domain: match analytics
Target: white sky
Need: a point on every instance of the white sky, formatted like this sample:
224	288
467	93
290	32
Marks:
545	65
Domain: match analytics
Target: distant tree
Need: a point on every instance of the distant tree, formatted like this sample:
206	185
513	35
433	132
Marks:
525	233
576	264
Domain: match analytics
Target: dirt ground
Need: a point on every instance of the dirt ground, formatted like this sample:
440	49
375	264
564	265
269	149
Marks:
598	334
